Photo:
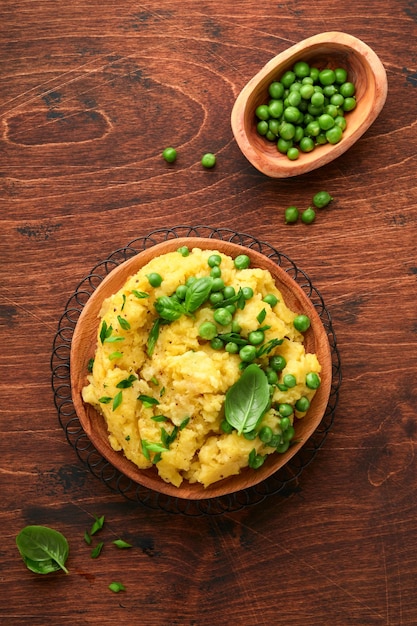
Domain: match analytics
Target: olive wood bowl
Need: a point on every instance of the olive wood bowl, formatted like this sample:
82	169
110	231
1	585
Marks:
83	348
332	49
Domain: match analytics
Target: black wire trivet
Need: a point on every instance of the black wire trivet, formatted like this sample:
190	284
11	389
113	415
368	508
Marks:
282	482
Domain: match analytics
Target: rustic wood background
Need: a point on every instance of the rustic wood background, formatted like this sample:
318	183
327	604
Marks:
91	92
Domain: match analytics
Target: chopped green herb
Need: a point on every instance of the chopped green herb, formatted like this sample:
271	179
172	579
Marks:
124	301
98	525
95	552
115	355
116	587
154	380
90	365
105	399
123	322
159	418
147	401
120	543
153	336
87	538
140	294
261	316
127	438
113	339
117	400
126	382
184	423
105	331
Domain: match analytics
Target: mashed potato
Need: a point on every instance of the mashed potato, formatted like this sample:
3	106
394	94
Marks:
161	387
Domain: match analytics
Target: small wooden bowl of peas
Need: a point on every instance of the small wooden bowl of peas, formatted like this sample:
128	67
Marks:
84	344
309	104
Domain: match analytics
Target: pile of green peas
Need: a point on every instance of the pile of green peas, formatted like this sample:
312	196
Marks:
306	109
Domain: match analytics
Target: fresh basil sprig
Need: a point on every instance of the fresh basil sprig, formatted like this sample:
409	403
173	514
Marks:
168	308
247	400
43	549
197	293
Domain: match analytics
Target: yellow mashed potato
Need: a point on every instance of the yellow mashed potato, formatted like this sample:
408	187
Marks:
166	408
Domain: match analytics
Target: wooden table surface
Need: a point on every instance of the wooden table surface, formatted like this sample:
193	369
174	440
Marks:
91	92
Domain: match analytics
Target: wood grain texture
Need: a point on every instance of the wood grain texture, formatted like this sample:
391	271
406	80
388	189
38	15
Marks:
90	94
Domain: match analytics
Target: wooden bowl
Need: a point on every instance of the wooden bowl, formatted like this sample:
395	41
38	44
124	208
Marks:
333	49
84	345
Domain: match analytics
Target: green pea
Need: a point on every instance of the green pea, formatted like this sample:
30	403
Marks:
349	104
276	109
231	308
326	121
302	404
257	461
287	129
180	291
251	435
293	153
334	135
242	261
312	129
214	260
270	299
288	78
247	353
276	90
236	328
337	99
262	112
222	316
184	251
301	323
217	343
291	215
207	330
285	422
285	410
314	73
247	293
262	127
215	272
289	380
271	376
277	362
256	337
169	154
217	284
308	216
306	144
306	91
347	89
329	90
190	281
340	120
289	433
317	99
154	279
229	292
216	298
340	75
284	145
283	447
294	98
321	199
265	434
299	134
313	380
208	160
301	69
231	347
327	77
273	127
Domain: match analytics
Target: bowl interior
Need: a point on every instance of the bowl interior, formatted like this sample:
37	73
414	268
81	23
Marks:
340	50
83	347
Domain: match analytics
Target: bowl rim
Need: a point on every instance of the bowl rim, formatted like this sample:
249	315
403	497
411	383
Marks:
86	329
281	166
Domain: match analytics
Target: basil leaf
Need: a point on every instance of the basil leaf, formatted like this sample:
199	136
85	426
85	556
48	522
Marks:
168	308
247	400
105	399
197	293
41	547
